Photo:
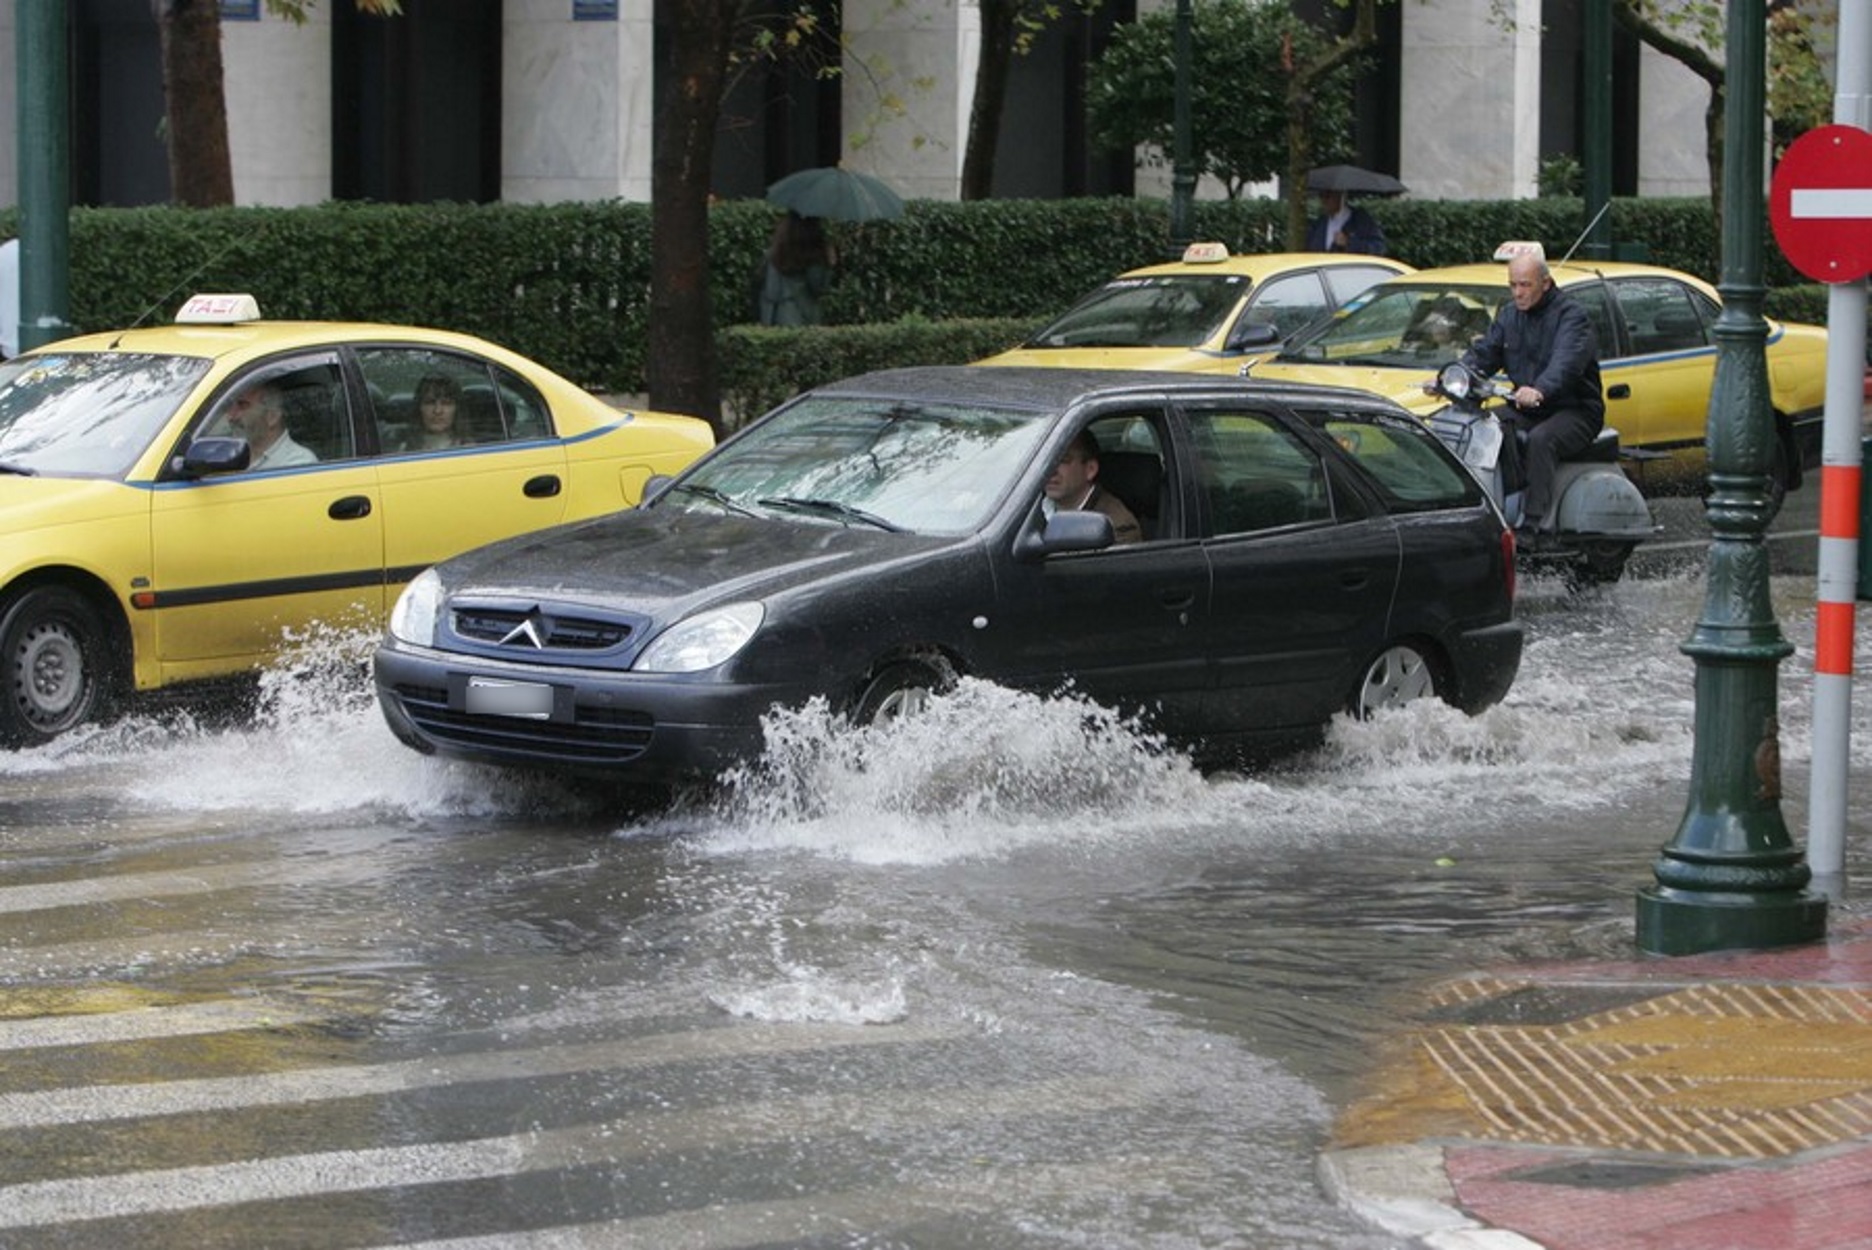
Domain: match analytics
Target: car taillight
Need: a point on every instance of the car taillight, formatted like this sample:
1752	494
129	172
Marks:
1507	559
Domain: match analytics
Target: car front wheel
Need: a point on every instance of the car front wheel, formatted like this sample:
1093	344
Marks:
54	672
903	688
1397	675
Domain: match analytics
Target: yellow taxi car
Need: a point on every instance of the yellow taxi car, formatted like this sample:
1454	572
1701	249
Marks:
1208	310
1657	357
180	501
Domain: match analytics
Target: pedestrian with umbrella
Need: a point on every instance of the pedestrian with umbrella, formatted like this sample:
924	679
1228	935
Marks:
798	271
800	258
1343	227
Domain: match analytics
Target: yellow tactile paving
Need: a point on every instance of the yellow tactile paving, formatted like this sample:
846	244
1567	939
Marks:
1730	1070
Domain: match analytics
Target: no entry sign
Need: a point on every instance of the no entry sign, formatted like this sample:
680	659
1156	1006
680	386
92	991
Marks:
1821	203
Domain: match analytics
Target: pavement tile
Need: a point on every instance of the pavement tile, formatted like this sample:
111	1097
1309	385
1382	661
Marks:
1709	1102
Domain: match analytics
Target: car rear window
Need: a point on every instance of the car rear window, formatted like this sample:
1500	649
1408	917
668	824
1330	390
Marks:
1402	459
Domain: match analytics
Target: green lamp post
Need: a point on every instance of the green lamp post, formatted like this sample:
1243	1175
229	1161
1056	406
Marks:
44	196
1732	877
1182	173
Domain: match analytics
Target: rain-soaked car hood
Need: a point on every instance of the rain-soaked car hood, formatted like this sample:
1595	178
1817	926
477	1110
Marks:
666	562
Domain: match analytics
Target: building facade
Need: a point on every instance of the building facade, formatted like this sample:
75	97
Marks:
551	100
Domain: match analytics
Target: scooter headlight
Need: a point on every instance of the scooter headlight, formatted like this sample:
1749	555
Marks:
1455	380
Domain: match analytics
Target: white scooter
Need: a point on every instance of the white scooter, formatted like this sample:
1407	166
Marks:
1601	514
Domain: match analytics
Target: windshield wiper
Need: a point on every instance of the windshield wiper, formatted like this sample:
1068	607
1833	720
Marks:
715	497
20	470
828	507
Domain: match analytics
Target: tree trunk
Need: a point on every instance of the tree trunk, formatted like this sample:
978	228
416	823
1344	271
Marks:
991	78
681	351
201	173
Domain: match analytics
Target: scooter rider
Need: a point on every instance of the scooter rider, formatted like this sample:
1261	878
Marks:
1544	341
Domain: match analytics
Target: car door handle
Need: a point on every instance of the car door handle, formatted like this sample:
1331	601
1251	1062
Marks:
545	486
1621	391
350	508
1177	600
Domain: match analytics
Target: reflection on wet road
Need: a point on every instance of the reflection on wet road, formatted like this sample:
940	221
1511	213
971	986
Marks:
1010	975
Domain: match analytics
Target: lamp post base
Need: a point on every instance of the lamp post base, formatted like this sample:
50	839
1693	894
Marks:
1683	922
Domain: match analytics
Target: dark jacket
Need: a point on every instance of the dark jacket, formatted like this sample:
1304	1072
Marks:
1551	347
1362	232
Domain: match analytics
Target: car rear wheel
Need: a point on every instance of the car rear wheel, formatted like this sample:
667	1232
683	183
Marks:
1399	674
54	669
903	688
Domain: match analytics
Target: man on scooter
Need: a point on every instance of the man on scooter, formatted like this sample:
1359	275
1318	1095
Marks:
1544	341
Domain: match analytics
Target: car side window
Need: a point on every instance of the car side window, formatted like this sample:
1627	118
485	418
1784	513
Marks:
1660	316
1288	303
291	412
425	399
1401	458
1255	474
1131	466
1592	297
1345	281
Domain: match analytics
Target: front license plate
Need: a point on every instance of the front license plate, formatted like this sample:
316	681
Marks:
487	696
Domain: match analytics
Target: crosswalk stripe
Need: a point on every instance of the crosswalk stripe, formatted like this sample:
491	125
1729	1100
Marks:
150	1023
39	1108
738	1226
168	1190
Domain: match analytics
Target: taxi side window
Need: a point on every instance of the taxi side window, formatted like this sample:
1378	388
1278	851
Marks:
1592	297
426	400
1288	303
1660	316
1255	474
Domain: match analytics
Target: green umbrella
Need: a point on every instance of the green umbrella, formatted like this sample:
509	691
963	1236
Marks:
836	195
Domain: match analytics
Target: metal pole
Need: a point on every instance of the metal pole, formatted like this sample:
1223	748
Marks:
1841	485
1597	111
1182	176
1732	876
44	177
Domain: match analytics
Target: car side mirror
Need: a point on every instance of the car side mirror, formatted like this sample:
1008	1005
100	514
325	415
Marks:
208	456
1063	532
654	486
1253	335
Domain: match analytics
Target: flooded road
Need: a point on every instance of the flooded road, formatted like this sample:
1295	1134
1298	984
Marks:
1006	975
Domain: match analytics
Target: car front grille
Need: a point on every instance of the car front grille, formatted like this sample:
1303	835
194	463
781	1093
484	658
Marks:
538	630
597	736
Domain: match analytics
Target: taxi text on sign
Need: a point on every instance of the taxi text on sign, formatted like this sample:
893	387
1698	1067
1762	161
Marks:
1821	204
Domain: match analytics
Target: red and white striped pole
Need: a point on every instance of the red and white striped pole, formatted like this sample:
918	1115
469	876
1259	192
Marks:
1841	487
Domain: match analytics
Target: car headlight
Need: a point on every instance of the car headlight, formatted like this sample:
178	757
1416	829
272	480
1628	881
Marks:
702	641
413	620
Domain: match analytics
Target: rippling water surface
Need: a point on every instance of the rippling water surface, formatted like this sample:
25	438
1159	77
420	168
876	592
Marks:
1222	949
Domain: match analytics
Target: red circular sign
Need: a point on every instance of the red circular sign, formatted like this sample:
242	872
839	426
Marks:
1821	203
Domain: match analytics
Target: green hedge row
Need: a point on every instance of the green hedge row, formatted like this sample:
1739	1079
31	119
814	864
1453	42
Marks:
568	284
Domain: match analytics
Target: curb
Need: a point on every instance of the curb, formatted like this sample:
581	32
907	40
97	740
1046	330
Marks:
1405	1191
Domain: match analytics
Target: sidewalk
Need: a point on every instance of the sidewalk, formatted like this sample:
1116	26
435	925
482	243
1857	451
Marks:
1720	1101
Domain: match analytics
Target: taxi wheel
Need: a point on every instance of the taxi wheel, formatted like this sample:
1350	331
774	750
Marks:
1399	674
53	668
903	688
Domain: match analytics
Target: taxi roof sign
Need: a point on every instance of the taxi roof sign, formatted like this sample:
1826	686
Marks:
218	310
1205	253
1514	248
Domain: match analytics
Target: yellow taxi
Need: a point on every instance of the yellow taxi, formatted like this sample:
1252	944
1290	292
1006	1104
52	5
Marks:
1657	357
181	502
1208	310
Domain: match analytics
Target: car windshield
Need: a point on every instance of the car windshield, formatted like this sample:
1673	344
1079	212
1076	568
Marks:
88	414
921	466
1170	310
1406	325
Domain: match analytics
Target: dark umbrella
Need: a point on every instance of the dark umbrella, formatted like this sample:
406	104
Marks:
1352	180
836	195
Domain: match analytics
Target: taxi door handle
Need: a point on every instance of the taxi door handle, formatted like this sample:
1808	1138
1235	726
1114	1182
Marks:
1621	391
350	508
545	486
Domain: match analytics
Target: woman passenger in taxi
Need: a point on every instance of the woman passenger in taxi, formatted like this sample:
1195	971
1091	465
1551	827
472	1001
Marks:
438	402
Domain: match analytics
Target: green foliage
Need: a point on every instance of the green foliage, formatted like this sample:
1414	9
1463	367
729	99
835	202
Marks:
1560	174
569	284
764	365
1238	89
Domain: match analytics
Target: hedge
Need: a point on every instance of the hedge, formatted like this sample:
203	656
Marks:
568	284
